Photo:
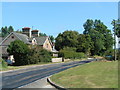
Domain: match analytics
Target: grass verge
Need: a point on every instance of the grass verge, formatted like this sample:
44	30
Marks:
98	74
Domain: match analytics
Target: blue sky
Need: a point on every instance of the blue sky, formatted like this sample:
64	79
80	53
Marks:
53	18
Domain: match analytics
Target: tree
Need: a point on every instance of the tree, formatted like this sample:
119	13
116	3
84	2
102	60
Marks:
42	34
66	39
116	27
101	36
20	52
6	30
84	44
10	29
51	38
88	26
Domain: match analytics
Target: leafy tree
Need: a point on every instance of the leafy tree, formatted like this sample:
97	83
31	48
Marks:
10	29
51	38
88	26
20	51
6	30
84	44
101	37
66	39
116	27
42	34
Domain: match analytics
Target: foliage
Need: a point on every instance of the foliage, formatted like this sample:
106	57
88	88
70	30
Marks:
116	27
118	54
66	39
38	54
20	51
84	44
42	34
3	63
101	37
51	38
6	30
71	53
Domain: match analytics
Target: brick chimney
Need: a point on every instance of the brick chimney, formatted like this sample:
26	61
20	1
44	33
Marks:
35	33
27	31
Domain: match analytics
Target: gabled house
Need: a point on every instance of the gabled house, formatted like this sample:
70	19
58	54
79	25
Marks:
28	37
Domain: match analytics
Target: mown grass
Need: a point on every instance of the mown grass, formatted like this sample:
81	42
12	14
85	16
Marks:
99	74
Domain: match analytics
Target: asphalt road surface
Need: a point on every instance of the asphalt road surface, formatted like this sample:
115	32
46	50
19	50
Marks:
18	78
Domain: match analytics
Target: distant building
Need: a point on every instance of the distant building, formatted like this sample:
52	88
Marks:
27	36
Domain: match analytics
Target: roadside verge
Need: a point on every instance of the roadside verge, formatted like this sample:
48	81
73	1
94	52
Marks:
55	85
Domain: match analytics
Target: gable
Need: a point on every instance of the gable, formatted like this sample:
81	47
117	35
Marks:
47	45
10	38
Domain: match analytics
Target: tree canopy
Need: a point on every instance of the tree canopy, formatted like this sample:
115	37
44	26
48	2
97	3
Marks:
66	39
20	51
6	30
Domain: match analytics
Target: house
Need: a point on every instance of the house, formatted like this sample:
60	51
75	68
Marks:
29	37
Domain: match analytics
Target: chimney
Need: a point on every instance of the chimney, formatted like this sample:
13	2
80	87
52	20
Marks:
35	33
27	31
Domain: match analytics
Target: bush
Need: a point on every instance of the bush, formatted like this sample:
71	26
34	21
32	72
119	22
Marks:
3	63
71	54
20	51
38	54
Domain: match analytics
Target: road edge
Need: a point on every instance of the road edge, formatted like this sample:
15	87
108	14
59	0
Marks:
55	85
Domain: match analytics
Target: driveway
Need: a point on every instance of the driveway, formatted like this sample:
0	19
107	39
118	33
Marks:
21	77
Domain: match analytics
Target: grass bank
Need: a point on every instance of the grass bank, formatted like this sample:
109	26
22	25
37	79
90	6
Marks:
98	74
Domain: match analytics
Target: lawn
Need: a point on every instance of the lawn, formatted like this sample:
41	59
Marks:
99	74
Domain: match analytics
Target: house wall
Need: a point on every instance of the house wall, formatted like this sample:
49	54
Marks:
47	45
10	39
34	42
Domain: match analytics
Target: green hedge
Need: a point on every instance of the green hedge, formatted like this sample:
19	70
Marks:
71	54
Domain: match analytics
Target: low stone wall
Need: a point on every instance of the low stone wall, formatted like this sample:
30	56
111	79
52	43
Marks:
56	59
59	59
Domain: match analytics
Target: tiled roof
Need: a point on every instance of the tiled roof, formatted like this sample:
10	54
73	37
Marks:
0	39
22	37
41	40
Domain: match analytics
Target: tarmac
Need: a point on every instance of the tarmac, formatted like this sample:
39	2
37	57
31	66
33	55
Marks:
42	83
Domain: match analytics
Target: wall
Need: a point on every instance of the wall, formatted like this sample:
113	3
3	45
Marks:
47	45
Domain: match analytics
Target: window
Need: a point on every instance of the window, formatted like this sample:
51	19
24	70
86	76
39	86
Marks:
47	45
119	42
12	37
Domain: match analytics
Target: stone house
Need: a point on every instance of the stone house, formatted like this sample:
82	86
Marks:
28	36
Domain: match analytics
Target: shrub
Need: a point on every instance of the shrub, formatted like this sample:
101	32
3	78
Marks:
3	63
71	54
38	54
20	51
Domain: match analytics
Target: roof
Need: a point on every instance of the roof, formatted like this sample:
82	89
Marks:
22	37
26	28
0	39
34	30
41	40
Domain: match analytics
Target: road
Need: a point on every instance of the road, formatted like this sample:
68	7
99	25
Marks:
17	78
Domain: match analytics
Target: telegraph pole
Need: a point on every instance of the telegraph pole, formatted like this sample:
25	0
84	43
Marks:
114	41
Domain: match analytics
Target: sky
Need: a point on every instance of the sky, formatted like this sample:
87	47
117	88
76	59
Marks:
53	18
